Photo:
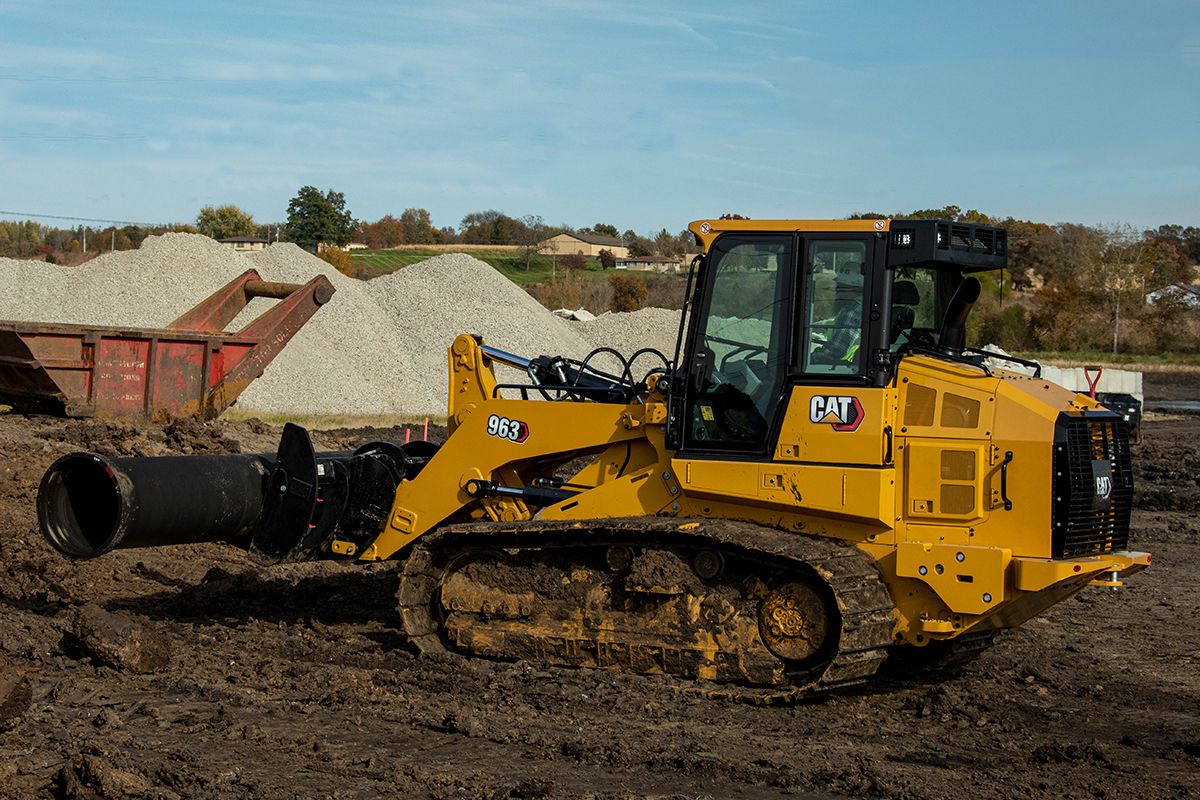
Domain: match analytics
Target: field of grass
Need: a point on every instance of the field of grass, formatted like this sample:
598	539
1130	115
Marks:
511	265
542	269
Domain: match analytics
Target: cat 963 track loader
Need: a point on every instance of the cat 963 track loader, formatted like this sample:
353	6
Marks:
823	474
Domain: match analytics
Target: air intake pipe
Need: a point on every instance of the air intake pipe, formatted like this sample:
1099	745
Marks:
954	324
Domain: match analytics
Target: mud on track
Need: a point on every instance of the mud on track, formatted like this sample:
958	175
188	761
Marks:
295	682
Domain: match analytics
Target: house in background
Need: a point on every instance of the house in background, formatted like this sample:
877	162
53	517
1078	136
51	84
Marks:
588	244
1187	294
244	244
649	263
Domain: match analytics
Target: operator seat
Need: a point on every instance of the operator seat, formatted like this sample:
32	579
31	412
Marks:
904	297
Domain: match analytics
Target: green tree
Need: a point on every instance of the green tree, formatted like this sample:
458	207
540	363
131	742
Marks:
638	245
489	227
667	245
530	233
223	222
952	213
604	229
314	219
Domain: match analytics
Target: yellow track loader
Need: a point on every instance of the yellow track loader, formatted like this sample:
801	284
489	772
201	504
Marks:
822	475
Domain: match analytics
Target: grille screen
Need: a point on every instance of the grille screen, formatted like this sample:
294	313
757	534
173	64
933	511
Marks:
1093	487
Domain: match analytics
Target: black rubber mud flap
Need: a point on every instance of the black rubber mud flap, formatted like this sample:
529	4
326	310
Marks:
290	499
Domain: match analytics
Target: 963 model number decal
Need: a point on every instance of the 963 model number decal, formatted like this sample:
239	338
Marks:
513	430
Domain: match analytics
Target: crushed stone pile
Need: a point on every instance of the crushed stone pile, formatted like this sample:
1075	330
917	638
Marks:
347	360
377	348
434	300
630	331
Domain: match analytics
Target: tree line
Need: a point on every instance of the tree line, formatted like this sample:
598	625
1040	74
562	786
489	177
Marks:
1068	287
1071	287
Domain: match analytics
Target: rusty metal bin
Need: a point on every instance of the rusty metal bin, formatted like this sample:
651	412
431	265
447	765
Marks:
191	368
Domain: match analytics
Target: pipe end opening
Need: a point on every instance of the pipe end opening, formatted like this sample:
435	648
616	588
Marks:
79	505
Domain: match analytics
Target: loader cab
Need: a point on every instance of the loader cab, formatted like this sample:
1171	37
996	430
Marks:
811	312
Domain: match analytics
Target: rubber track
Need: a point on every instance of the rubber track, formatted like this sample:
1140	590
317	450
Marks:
862	597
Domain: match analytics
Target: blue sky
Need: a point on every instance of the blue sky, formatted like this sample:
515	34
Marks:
644	115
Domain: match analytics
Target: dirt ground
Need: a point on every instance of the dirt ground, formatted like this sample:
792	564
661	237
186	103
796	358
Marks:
294	681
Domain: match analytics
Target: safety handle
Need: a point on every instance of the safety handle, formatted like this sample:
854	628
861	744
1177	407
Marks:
1091	382
1008	457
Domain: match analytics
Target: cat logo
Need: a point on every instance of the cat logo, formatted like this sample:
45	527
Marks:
840	412
1103	483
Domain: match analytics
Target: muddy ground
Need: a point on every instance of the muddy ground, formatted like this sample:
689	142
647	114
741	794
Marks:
295	682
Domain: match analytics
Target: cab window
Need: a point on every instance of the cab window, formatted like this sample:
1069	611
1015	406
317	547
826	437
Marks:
742	343
919	298
834	290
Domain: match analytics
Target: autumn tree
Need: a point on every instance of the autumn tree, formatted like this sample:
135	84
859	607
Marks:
628	293
382	234
315	218
1169	260
19	239
607	259
418	226
1123	264
224	222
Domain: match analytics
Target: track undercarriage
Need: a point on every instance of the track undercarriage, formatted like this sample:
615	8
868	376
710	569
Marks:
724	601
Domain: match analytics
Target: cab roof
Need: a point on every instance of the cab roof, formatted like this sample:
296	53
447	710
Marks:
706	230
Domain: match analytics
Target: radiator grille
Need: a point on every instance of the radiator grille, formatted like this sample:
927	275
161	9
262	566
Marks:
1089	452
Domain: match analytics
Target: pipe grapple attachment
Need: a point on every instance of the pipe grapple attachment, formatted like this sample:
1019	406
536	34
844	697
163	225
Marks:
292	506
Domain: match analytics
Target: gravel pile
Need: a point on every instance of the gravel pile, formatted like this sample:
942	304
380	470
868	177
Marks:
147	287
377	348
433	301
630	331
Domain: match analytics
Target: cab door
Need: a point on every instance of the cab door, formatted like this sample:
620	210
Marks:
740	346
837	414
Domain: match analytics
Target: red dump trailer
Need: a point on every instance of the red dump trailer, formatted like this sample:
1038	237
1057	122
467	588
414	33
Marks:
190	368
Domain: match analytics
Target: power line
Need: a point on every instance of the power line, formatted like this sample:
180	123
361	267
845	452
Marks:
87	219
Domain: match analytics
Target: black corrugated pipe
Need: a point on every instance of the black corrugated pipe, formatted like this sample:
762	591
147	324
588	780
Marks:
89	504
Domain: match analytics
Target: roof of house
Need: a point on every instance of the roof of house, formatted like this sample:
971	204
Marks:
649	259
597	238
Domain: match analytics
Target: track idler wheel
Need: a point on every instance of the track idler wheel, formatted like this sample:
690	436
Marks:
794	622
